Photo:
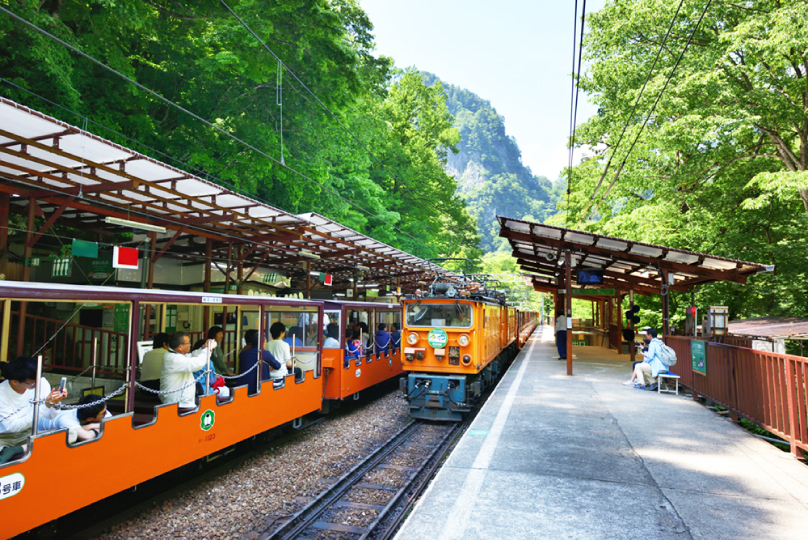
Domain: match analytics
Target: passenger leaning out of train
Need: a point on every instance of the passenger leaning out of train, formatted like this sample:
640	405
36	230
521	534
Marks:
248	357
179	364
382	338
81	424
216	355
152	365
395	336
332	341
281	351
16	410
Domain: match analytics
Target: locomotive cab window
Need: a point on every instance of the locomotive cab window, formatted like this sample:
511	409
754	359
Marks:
455	315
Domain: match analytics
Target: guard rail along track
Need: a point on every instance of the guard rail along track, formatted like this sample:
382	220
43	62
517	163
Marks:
371	499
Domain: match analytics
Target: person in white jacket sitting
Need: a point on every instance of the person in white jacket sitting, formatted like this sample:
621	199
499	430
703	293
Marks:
16	409
179	364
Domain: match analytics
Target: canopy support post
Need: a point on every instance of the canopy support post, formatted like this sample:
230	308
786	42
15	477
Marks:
568	310
632	348
666	327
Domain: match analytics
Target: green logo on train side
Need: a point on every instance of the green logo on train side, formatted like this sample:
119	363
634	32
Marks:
207	421
437	338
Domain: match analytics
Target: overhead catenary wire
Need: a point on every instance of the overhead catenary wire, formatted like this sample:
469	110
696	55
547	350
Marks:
576	87
282	65
198	118
633	109
656	102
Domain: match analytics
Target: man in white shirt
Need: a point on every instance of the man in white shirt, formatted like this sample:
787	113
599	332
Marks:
151	368
16	410
179	364
281	351
561	335
81	424
332	341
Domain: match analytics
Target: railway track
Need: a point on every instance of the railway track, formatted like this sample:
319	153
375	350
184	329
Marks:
369	501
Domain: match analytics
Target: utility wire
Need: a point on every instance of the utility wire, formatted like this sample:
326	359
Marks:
196	117
577	84
572	102
653	108
631	114
323	105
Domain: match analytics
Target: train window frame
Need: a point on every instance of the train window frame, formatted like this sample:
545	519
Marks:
470	315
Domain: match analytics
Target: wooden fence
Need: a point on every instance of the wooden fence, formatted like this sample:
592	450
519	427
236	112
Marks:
768	389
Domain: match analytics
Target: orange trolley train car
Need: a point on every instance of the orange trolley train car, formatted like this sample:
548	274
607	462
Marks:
456	343
92	334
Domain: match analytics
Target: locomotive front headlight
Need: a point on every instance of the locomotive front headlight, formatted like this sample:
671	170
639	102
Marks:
463	340
412	339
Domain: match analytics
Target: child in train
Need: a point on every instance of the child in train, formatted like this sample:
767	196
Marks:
81	424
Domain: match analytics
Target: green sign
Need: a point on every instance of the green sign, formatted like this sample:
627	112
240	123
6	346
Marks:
437	338
698	354
100	268
121	318
592	292
62	267
207	421
580	343
81	248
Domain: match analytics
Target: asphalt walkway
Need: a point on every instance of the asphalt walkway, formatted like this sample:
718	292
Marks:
552	456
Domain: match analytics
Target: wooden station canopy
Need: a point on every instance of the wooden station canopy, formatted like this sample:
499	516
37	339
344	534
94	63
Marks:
627	265
57	172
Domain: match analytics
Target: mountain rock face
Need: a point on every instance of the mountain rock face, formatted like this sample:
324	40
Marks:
488	169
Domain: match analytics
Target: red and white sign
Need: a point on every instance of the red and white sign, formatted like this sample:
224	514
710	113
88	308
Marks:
125	257
329	279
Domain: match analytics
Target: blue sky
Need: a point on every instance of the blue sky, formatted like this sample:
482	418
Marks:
515	53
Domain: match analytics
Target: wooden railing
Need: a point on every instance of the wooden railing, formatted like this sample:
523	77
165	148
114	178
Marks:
768	389
69	347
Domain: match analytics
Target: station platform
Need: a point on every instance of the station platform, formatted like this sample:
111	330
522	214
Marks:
552	456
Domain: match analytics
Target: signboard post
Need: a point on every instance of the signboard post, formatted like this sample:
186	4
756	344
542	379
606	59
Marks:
698	355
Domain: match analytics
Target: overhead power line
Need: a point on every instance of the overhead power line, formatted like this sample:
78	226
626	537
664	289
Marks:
576	87
331	113
197	117
631	114
656	102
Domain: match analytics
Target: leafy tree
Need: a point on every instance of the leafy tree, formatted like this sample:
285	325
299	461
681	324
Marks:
720	167
199	56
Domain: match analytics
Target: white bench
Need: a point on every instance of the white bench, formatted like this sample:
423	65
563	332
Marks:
667	376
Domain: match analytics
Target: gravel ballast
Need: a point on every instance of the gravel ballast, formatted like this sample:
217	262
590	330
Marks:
243	501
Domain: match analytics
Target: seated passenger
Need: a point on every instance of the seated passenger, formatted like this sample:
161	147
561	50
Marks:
179	364
382	339
281	351
81	424
216	384
247	359
354	347
395	336
16	409
651	364
332	341
294	337
217	356
152	365
363	327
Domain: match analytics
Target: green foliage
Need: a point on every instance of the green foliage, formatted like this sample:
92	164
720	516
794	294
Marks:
197	55
488	167
721	166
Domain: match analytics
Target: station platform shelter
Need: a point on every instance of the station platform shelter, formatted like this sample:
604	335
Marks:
553	456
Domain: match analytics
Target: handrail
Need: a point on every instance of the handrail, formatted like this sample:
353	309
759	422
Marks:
766	388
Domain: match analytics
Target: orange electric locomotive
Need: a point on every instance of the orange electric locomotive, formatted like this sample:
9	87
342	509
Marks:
457	340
